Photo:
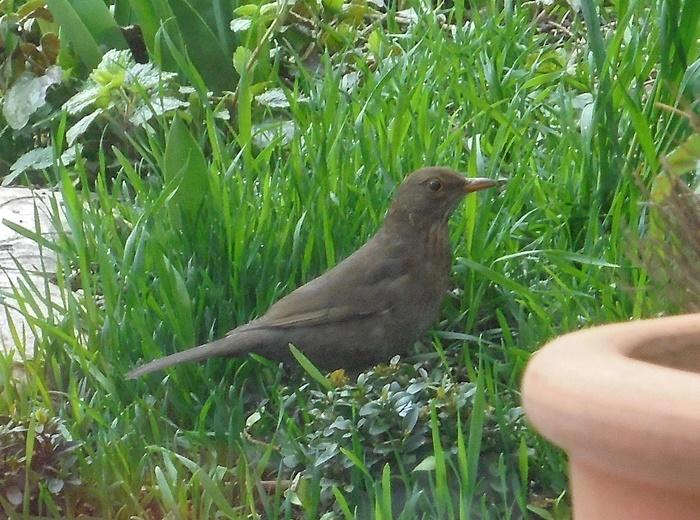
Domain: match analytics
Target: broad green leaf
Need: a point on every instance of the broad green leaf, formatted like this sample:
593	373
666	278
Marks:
75	32
100	22
28	94
690	86
241	57
87	25
334	6
184	157
203	47
685	158
150	16
247	10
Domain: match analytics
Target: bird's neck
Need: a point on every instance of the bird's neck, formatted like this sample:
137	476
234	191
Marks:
428	238
404	222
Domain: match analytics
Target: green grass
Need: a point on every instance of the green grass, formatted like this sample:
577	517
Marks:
159	272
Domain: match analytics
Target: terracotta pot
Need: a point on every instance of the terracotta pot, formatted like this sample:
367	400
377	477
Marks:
624	402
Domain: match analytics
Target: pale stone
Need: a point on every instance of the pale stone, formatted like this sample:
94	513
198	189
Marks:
18	205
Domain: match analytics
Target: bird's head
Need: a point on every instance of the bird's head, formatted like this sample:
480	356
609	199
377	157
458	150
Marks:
430	195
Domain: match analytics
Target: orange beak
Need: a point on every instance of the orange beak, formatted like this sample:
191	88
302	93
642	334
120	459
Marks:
480	183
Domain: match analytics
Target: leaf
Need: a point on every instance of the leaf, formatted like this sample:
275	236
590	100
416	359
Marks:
156	107
427	464
378	427
685	158
214	492
87	25
252	419
341	423
508	283
416	387
374	43
248	10
203	47
38	159
386	491
523	462
268	132
407	17
310	368
99	21
370	408
690	86
596	41
661	187
273	98
55	485
540	512
241	24
641	126
241	58
571	256
82	100
411	419
342	504
476	431
586	122
145	75
334	6
357	462
28	94
81	126
349	81
184	157
330	452
165	491
150	15
14	495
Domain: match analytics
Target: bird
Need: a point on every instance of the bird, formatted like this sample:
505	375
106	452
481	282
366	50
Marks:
372	305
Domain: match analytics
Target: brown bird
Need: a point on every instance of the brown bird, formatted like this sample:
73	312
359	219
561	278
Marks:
372	305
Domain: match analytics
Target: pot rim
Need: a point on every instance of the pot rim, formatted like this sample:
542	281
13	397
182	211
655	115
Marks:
587	393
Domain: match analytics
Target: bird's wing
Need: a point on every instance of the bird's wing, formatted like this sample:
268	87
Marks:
358	288
332	314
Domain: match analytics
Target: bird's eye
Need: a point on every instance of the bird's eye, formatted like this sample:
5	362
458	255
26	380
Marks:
435	185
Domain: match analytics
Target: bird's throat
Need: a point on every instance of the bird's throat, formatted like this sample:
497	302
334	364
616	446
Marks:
407	223
427	239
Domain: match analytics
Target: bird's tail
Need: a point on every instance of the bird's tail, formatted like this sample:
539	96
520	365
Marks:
227	346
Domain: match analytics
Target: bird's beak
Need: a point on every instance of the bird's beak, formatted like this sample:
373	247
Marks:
480	183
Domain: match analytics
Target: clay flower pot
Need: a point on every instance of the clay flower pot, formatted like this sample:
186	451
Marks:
624	402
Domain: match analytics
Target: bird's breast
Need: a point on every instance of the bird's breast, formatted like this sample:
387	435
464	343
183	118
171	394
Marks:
421	262
427	267
437	252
